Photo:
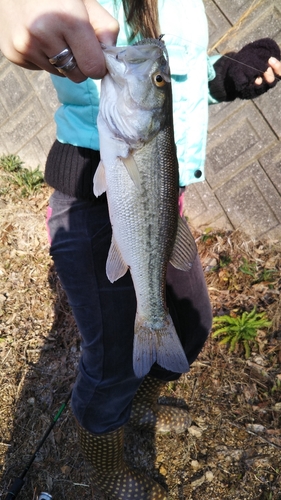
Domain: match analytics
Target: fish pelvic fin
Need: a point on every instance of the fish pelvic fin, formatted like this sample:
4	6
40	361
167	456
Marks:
132	170
157	345
185	249
99	180
115	265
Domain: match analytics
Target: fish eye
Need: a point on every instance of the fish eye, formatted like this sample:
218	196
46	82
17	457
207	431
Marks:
159	80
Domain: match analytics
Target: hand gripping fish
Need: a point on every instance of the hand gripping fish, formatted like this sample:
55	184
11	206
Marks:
139	172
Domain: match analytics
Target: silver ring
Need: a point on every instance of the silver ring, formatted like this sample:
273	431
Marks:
68	66
61	55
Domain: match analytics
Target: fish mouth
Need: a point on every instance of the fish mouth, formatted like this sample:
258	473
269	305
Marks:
156	42
115	69
139	56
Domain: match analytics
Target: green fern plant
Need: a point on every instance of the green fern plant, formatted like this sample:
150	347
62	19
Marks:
28	180
240	330
10	163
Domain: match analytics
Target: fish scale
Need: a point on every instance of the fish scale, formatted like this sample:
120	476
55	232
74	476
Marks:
139	172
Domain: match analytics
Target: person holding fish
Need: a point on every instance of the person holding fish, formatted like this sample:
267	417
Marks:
126	259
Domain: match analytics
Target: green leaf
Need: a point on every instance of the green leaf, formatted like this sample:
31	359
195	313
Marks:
220	331
225	319
247	349
252	313
225	340
233	343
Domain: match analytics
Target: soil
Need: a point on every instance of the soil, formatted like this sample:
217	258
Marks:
232	449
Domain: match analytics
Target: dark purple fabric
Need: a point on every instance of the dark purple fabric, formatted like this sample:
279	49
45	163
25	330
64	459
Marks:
80	232
236	72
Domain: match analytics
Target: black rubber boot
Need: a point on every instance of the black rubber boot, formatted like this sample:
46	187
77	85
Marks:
147	413
110	473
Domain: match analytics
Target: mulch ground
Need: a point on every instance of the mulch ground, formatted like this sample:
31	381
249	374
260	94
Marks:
232	449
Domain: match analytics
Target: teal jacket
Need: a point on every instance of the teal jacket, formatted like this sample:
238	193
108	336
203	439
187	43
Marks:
184	24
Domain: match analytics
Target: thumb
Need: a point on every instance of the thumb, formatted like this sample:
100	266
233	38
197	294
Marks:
105	26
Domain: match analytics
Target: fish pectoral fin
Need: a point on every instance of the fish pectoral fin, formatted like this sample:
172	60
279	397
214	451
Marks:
132	170
115	265
157	345
185	249
99	180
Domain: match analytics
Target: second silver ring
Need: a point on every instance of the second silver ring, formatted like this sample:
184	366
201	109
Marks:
54	60
68	66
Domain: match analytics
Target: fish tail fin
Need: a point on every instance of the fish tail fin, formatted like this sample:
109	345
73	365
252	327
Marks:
158	345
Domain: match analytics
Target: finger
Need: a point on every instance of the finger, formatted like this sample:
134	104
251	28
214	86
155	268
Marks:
259	80
66	65
65	30
273	71
80	37
87	51
106	27
84	34
42	33
32	48
275	65
269	75
102	28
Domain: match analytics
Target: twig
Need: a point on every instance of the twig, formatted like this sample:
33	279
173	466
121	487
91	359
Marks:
256	435
194	389
237	25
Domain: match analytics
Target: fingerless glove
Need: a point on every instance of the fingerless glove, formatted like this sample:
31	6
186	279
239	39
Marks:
236	72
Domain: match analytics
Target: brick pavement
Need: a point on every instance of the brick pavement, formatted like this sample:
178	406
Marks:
27	104
243	168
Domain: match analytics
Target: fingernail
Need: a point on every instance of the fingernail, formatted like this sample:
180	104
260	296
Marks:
272	60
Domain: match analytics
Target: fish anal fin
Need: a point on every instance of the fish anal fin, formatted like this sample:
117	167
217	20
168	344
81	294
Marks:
99	180
185	249
115	265
132	169
157	345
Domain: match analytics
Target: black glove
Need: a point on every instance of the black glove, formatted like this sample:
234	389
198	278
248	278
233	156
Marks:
234	79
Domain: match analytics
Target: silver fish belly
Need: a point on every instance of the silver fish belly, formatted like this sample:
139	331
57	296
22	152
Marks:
141	181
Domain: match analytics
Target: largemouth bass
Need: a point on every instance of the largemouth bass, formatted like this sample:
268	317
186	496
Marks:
139	172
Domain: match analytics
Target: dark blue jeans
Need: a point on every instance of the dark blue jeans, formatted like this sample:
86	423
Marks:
80	232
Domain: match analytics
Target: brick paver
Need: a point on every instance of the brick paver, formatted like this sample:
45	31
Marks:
27	104
243	168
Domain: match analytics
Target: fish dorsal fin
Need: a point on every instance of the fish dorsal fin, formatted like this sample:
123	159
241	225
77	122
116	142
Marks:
132	169
185	249
115	265
99	180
